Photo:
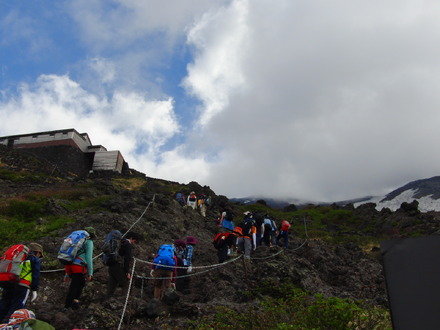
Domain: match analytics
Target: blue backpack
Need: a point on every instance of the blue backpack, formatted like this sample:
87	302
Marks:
71	245
180	198
165	257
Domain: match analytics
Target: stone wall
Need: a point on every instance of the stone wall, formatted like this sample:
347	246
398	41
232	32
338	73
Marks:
64	158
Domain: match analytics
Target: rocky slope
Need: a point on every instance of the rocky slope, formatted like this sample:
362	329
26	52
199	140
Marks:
344	271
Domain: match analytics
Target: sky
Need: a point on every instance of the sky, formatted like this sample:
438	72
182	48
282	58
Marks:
312	100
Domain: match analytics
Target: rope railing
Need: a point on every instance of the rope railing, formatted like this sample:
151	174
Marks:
97	256
206	269
128	295
203	269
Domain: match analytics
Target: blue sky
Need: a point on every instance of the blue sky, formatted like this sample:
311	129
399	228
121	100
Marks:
311	100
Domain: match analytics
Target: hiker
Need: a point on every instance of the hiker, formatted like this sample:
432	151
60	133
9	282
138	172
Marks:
182	283
15	294
224	242
202	204
269	230
192	200
180	250
119	273
246	241
284	231
80	270
227	220
180	198
259	219
25	319
164	270
17	317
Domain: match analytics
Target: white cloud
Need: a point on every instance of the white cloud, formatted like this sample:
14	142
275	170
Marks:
126	121
334	105
308	99
220	45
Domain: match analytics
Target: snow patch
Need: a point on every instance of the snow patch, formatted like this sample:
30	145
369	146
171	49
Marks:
426	203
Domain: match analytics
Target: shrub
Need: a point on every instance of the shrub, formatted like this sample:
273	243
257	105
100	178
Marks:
25	210
287	307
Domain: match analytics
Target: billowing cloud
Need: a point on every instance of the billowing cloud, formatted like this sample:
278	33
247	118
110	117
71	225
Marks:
125	121
331	105
302	99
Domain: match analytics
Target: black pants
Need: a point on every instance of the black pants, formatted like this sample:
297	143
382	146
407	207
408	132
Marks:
182	283
222	254
116	277
77	284
14	297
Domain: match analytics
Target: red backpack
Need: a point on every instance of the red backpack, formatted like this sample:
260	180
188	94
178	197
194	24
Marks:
10	263
218	239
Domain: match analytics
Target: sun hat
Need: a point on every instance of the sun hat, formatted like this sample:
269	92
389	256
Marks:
180	242
36	248
191	240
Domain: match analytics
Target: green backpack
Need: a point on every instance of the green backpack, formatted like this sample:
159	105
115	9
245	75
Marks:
33	324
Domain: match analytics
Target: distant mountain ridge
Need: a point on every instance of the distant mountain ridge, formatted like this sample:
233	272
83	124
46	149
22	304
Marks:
425	191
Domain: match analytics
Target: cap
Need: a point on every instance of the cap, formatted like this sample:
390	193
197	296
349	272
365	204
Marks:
90	230
36	248
191	240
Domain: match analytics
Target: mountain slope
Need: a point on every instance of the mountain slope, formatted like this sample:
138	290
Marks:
50	205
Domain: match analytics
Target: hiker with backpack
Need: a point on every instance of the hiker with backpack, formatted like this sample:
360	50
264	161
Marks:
164	270
247	232
224	242
114	249
202	203
192	200
284	231
180	198
227	219
76	254
180	250
191	242
269	230
259	219
19	277
184	252
25	319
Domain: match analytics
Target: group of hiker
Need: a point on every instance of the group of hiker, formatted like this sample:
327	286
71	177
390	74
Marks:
19	280
20	268
193	201
252	231
171	267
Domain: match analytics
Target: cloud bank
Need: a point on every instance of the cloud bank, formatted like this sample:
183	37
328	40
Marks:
299	99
